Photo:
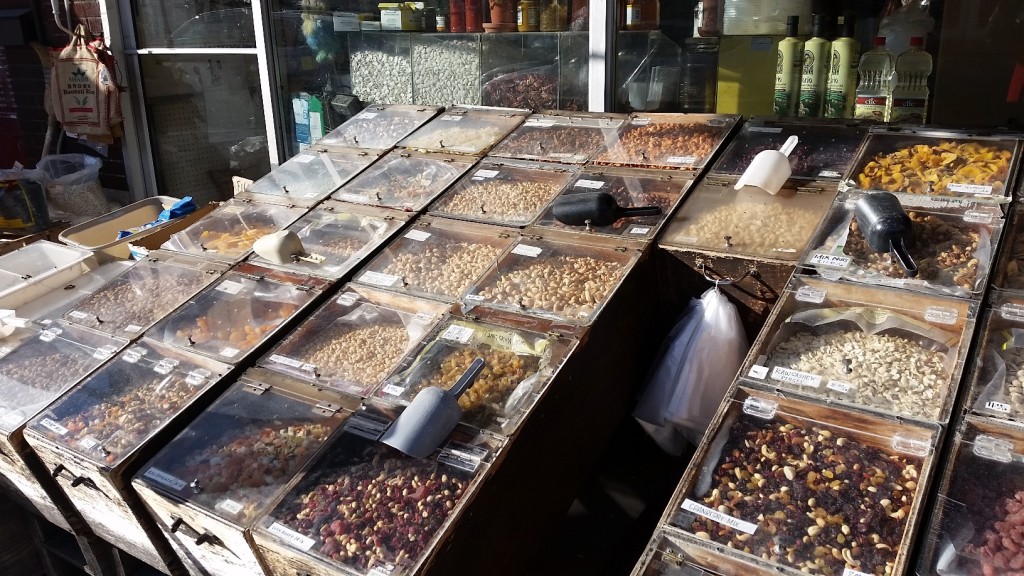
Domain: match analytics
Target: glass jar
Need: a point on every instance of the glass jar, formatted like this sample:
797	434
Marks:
528	19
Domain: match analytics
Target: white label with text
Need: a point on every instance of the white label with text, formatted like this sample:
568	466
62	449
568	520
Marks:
592	184
998	406
290	536
758	371
969	188
229	352
165	478
278	359
681	159
831	260
230	287
53	426
457	333
795	377
839	386
417	235
716	516
527	250
378	279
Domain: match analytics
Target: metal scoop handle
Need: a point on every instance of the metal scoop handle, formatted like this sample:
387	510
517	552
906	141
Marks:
467	378
899	252
640	211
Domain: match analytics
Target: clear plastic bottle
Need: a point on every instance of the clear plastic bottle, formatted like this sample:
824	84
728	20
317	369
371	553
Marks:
875	86
909	102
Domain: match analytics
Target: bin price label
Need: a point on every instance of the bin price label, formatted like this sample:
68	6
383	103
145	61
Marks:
969	188
758	371
716	516
88	442
348	197
164	478
381	570
527	250
839	386
230	506
417	235
681	159
229	352
592	184
639	230
829	174
132	329
230	287
998	406
458	333
852	572
278	359
378	279
53	426
290	536
305	158
347	299
795	377
831	260
451	117
393	390
368	115
481	174
78	315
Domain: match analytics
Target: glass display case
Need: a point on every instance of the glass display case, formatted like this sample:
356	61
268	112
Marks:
825	149
379	126
145	293
503	192
937	163
953	247
436	258
351	343
849	498
39	267
1008	274
630	188
369	489
232	317
337	236
884	350
556	277
518	366
564	137
679	141
228	233
405	180
975	520
221	473
749	222
54	304
472	130
311	176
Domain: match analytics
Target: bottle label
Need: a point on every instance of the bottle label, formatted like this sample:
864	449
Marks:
870	107
835	103
908	110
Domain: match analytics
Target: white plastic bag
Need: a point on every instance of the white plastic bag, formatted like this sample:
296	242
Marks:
704	352
74	185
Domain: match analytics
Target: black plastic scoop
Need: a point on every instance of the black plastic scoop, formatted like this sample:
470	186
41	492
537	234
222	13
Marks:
886	227
595	209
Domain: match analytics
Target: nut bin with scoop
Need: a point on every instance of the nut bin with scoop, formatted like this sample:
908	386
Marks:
887	227
430	417
770	169
595	209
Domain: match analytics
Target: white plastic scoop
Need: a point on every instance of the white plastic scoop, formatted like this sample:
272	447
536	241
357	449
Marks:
283	247
770	168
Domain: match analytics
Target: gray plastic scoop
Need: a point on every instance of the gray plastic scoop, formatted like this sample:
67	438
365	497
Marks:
430	417
283	247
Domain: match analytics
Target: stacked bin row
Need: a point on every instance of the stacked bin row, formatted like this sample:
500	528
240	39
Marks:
826	455
206	351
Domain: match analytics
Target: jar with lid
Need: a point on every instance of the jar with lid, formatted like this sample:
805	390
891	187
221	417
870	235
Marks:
642	14
528	19
554	15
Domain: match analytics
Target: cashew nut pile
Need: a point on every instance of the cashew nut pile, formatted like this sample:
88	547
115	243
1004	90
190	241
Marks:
572	286
759	228
447	71
882	371
361	354
502	201
445	268
379	76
